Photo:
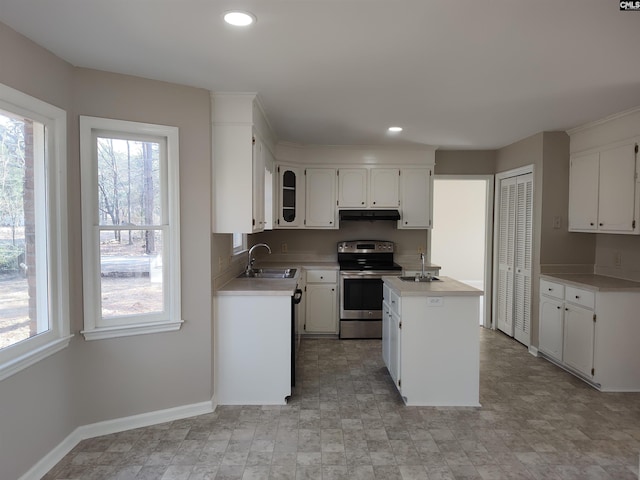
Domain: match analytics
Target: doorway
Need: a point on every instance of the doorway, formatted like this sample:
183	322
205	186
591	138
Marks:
461	238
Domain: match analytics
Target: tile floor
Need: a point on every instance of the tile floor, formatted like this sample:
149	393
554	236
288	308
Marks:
346	421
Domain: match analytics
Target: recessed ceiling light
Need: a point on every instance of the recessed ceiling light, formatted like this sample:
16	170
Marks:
239	19
395	129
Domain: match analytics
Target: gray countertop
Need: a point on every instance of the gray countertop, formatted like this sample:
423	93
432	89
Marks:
597	283
446	286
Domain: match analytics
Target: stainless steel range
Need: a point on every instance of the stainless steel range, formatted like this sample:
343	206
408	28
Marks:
362	265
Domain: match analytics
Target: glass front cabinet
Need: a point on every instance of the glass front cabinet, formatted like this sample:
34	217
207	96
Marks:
291	198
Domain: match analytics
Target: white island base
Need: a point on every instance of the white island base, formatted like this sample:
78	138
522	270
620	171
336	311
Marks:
431	341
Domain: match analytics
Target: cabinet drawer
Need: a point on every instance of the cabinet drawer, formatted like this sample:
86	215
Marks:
584	298
322	276
394	302
552	289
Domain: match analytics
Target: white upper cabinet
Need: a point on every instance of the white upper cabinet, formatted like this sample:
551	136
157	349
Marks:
241	141
352	187
368	187
320	199
384	187
604	193
602	190
291	197
416	192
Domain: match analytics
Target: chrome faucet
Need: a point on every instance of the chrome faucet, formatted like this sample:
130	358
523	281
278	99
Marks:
251	260
422	260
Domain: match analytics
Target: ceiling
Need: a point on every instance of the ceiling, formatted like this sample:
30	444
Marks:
456	74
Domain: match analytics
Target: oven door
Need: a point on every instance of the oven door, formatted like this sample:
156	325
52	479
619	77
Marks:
360	295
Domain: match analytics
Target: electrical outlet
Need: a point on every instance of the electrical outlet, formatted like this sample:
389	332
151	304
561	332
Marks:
617	258
284	248
557	221
220	261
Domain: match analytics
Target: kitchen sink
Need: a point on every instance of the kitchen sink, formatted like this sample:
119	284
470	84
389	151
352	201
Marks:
270	273
419	279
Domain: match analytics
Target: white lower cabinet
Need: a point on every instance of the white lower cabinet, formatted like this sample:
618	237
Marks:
592	334
430	346
252	346
321	304
551	326
578	339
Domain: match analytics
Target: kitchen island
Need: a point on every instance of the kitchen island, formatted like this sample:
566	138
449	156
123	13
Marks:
430	341
253	341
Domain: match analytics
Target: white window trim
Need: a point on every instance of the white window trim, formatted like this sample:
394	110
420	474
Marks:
134	324
240	249
28	352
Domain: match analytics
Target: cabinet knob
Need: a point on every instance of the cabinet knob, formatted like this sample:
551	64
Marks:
558	307
374	203
361	203
321	277
601	224
330	223
551	289
592	224
577	297
406	222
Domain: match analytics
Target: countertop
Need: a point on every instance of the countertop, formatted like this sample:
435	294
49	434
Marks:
446	286
596	283
261	286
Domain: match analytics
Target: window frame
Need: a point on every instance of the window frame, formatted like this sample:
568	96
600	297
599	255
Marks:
21	355
238	249
95	326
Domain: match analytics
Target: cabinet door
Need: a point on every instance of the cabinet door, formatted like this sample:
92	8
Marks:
415	191
578	338
617	189
383	192
290	197
386	331
320	198
551	327
583	192
395	349
321	304
258	185
352	187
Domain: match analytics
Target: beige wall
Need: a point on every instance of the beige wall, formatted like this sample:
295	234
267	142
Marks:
323	242
105	379
465	162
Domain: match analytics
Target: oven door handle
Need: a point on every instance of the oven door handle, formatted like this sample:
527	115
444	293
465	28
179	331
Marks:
297	296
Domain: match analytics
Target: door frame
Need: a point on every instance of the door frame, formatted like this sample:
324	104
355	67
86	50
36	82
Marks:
487	318
496	215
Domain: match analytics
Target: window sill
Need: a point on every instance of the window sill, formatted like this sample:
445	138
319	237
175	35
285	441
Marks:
102	333
26	360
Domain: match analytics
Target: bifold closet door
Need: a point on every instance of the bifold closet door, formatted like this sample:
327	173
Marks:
515	234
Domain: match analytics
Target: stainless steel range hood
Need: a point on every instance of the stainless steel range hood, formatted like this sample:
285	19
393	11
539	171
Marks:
369	215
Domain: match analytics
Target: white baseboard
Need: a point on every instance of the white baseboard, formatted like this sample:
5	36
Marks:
113	426
533	350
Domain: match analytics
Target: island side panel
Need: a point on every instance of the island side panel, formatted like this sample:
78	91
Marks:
441	350
252	350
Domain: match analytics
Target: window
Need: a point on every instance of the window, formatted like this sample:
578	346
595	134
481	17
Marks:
239	243
130	228
34	301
